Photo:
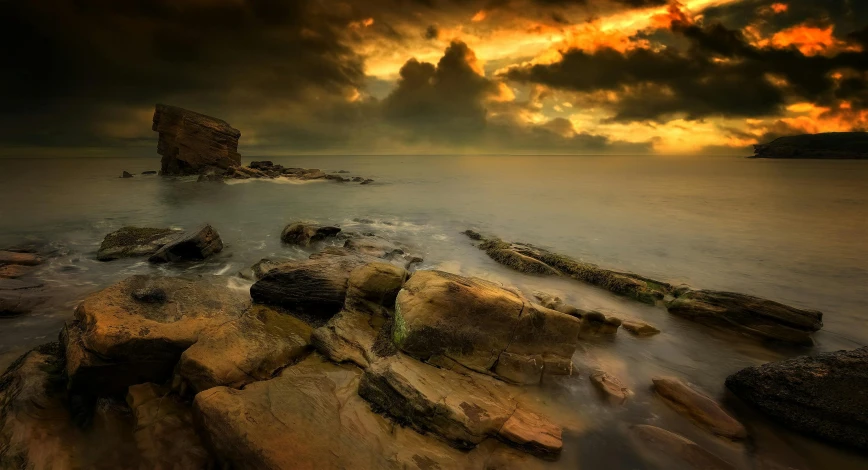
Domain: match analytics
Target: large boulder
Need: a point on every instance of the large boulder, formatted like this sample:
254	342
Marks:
191	143
483	327
19	297
373	288
245	350
314	288
311	417
754	316
305	234
36	431
136	330
349	336
462	409
825	396
698	407
164	432
193	246
130	242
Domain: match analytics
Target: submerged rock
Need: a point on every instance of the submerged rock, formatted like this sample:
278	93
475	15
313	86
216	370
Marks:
483	327
115	340
149	172
130	242
662	449
14	271
462	409
191	143
700	408
754	316
126	174
20	258
822	396
639	328
18	297
193	246
305	234
245	350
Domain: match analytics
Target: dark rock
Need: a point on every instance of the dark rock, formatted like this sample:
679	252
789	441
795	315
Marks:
358	179
342	171
126	175
831	145
473	235
19	297
262	165
363	221
196	245
14	271
305	234
754	316
339	179
149	172
210	176
130	242
191	143
823	396
367	181
150	295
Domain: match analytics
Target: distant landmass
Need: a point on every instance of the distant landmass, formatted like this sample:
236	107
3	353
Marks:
831	145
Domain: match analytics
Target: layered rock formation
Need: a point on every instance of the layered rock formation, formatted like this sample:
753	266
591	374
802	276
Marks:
832	145
823	395
130	242
192	143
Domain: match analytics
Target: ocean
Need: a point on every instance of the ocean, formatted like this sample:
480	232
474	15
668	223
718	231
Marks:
790	231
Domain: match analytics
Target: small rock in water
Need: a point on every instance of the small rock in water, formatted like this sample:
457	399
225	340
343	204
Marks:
367	181
473	235
149	172
126	174
639	328
610	387
150	295
697	406
197	245
304	234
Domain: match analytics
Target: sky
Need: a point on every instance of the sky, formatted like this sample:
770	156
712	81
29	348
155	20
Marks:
81	77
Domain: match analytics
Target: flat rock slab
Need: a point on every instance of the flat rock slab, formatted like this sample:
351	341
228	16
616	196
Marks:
825	395
18	297
612	389
462	409
700	408
349	336
756	317
665	449
22	259
136	330
130	242
15	271
245	350
311	417
639	328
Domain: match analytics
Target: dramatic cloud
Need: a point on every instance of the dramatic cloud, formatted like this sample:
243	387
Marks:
434	76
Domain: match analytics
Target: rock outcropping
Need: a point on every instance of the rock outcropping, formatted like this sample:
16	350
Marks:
192	143
823	395
831	145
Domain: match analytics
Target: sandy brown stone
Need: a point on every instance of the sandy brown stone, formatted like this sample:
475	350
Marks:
662	449
699	407
612	389
305	234
14	271
23	259
639	328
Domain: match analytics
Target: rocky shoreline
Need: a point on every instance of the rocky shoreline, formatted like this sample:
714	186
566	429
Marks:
353	358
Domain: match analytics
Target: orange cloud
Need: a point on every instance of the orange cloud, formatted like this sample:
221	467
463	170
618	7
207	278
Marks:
479	16
674	14
810	118
809	40
780	7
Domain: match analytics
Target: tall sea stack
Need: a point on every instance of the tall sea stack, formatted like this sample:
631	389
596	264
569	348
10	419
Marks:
193	143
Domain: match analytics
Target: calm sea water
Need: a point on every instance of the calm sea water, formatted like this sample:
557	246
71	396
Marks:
791	231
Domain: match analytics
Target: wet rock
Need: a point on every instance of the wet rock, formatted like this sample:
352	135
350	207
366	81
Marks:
20	259
555	303
305	234
342	171
126	174
349	336
311	417
245	350
338	178
753	316
149	172
262	165
610	387
14	271
462	409
598	323
367	181
191	143
312	174
822	396
130	242
193	246
639	328
164	431
261	267
19	297
373	288
115	341
662	449
150	295
474	322
210	176
35	427
530	259
358	179
698	407
316	288
473	235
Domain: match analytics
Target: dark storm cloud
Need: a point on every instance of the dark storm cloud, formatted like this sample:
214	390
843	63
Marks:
846	15
720	73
